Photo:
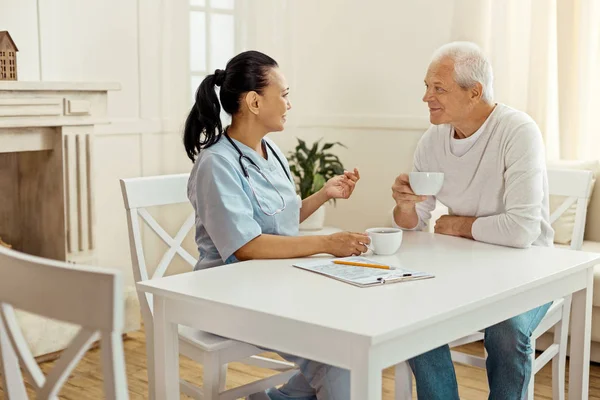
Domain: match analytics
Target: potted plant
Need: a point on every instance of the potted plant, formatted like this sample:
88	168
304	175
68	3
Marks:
312	167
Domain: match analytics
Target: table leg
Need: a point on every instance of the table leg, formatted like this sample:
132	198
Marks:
581	319
166	353
365	381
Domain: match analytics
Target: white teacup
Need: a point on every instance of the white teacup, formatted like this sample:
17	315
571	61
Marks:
426	183
385	241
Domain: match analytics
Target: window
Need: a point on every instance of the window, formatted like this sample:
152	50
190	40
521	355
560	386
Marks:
213	39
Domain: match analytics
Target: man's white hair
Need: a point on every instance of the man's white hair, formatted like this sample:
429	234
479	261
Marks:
470	66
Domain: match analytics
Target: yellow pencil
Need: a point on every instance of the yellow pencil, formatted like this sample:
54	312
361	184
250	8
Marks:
360	264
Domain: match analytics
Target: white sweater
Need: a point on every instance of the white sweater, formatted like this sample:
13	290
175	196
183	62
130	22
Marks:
501	179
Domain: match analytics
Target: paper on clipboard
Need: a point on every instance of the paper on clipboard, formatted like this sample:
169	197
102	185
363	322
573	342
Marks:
361	276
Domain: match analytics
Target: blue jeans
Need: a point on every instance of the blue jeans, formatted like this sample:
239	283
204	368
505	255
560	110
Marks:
508	363
314	381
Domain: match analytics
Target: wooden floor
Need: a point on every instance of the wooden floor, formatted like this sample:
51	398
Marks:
86	381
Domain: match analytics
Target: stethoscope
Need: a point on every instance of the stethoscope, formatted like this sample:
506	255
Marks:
253	165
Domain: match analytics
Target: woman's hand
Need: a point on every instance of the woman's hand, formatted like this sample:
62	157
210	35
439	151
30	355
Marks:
338	187
341	186
345	244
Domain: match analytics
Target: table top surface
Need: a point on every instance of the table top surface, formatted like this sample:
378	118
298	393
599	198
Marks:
468	274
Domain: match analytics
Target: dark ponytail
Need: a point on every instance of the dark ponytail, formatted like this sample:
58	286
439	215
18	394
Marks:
244	73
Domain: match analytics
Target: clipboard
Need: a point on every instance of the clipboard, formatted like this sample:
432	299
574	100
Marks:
361	276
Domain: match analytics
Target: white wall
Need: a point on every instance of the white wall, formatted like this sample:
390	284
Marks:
356	74
356	60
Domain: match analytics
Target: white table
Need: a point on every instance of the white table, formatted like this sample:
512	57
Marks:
326	230
274	305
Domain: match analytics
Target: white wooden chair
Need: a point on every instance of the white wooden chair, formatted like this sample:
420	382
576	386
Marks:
87	296
575	185
213	352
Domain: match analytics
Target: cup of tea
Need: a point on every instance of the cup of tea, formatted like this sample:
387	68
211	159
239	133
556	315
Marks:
426	183
385	241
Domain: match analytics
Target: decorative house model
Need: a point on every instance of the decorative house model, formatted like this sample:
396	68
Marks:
8	57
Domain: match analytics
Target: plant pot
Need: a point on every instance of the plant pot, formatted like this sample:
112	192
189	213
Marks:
315	221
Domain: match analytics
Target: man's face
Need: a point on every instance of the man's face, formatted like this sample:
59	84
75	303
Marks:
448	103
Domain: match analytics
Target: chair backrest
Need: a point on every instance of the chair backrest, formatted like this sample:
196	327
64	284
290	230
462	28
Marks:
575	185
90	297
152	191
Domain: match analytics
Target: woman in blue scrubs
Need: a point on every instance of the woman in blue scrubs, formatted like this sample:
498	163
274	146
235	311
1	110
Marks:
242	190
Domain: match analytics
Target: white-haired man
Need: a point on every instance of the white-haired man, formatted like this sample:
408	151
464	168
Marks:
495	186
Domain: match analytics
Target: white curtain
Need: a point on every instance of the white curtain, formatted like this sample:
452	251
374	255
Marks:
546	59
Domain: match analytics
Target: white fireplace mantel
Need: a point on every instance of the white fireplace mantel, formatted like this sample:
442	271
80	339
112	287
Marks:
46	139
36	86
25	104
46	183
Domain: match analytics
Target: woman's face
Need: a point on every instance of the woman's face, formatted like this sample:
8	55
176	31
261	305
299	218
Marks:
274	102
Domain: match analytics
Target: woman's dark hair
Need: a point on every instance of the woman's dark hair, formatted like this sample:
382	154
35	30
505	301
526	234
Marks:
244	73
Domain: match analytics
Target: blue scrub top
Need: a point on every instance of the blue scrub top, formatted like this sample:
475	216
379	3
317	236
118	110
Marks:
227	214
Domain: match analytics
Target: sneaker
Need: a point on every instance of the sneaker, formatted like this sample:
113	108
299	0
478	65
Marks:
276	394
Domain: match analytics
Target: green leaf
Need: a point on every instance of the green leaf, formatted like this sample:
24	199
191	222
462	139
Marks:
327	146
301	145
331	157
301	158
318	183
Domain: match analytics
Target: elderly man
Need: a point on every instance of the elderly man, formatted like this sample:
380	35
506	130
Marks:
495	186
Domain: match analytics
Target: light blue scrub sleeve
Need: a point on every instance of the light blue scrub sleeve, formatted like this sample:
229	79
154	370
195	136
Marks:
223	206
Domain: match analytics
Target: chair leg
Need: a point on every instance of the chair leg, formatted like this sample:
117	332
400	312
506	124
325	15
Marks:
12	379
223	378
403	378
529	394
561	337
150	362
113	365
212	376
